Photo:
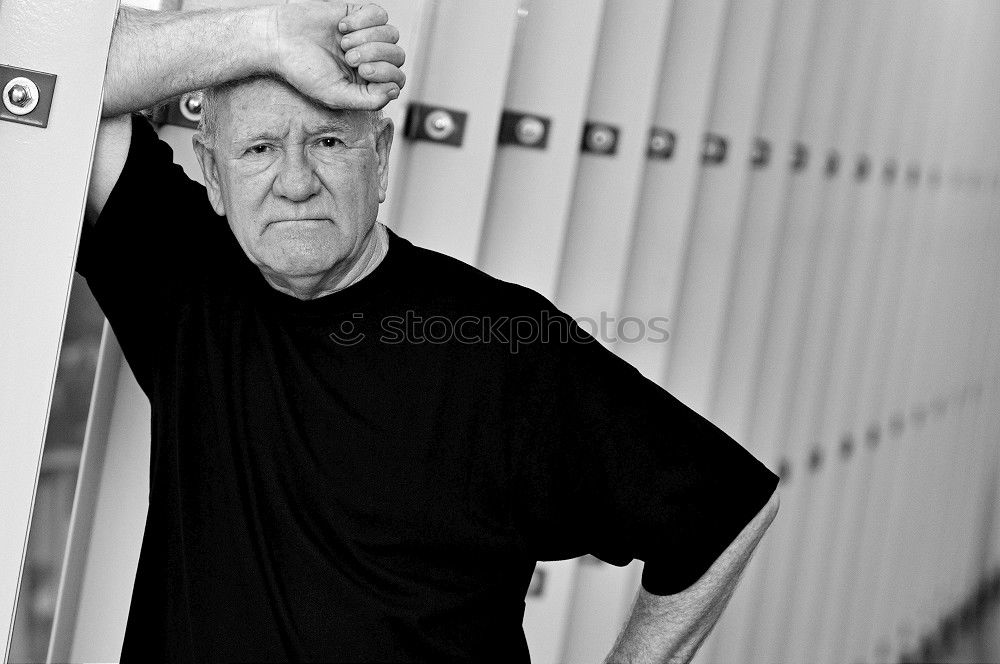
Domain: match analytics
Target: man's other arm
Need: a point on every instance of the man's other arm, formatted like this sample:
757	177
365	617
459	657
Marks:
666	629
156	55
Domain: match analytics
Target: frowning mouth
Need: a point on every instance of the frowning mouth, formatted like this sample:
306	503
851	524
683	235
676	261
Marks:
304	221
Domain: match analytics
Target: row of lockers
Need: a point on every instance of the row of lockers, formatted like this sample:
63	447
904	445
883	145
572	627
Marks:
837	324
807	190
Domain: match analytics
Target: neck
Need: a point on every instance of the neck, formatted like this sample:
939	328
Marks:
313	286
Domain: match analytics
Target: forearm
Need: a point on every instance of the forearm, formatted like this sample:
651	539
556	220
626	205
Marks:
666	629
157	55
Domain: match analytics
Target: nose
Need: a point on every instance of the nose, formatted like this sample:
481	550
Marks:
297	180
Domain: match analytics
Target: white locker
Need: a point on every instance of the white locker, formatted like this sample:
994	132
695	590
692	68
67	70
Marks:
837	338
836	56
859	407
444	172
53	57
742	339
535	165
631	49
528	208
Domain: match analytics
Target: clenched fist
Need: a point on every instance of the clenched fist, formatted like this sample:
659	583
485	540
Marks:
343	55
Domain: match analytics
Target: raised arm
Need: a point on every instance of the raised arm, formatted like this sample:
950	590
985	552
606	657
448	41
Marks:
668	629
156	55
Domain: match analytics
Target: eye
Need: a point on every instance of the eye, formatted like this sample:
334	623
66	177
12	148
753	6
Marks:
261	148
330	142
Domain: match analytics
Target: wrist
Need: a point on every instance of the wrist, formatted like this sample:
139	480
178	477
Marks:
266	33
260	39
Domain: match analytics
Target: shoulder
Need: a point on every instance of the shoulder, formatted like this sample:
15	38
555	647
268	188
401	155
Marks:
450	282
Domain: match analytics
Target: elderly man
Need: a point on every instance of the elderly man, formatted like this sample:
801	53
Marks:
328	483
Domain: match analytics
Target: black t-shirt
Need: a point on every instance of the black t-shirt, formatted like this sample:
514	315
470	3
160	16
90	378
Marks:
371	475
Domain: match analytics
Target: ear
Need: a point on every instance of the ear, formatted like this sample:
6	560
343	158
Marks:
383	143
210	169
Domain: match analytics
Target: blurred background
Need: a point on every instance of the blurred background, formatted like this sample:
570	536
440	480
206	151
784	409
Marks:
806	190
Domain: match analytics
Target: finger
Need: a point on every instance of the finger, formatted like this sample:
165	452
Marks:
368	16
380	33
371	97
375	52
382	72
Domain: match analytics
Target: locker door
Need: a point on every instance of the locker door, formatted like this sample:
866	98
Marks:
795	33
835	222
837	338
714	226
853	415
896	568
47	143
670	176
445	170
965	312
695	293
832	57
880	472
535	164
631	47
528	208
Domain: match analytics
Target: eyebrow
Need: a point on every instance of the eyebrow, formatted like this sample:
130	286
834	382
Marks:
327	126
311	130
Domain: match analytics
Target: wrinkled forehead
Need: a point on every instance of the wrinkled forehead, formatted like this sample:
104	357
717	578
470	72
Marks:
265	106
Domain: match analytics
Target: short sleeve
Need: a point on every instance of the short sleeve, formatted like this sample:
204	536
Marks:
613	465
155	234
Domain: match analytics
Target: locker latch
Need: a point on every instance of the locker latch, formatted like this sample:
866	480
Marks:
832	164
889	171
524	129
800	157
27	96
715	149
435	124
599	138
761	155
661	143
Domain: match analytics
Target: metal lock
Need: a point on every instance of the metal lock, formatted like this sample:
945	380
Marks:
26	96
761	155
815	459
524	130
435	124
190	105
889	171
832	164
846	446
439	125
714	149
863	168
896	425
800	157
183	111
662	143
20	95
599	138
873	434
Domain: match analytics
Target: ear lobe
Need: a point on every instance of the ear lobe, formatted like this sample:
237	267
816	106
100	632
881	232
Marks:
210	171
383	143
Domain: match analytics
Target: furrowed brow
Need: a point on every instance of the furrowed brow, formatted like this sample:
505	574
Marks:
329	126
252	135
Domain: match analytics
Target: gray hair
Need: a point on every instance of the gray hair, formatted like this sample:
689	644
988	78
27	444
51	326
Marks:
208	125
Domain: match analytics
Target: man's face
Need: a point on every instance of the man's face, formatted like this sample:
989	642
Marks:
299	183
